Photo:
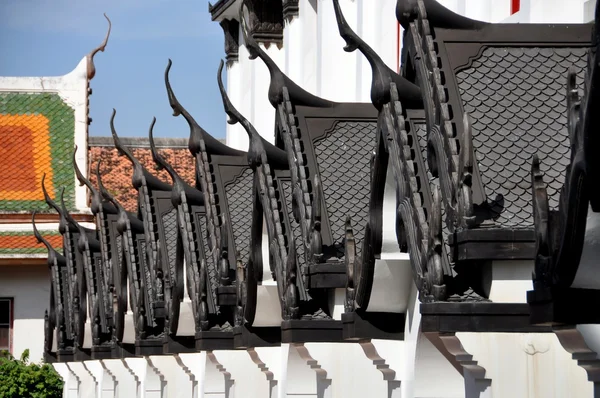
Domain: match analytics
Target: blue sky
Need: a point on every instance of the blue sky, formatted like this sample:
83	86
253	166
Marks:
49	38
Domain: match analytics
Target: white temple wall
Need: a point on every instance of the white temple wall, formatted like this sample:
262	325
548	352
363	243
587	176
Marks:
29	287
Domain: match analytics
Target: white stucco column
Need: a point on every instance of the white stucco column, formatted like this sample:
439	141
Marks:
300	46
589	8
150	383
126	383
87	382
557	11
71	383
176	377
337	73
105	380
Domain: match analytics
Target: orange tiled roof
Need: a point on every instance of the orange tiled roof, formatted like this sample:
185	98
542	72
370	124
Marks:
116	170
24	243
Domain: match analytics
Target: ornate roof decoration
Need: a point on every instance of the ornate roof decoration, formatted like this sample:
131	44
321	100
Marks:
76	290
419	216
157	267
132	271
221	176
106	267
56	321
481	131
265	160
563	270
189	204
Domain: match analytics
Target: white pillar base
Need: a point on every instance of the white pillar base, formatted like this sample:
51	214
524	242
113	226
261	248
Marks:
105	380
87	382
176	377
150	382
126	383
71	386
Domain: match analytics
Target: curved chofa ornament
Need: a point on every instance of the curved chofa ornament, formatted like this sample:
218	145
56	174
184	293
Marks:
163	249
131	254
224	178
107	268
189	204
56	325
418	217
266	160
91	68
76	289
566	238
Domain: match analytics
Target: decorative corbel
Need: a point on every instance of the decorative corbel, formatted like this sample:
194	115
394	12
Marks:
231	30
291	9
265	19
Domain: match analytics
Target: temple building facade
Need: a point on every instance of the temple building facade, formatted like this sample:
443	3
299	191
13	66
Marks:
404	206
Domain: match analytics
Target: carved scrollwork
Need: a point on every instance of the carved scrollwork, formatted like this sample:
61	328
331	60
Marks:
448	155
350	262
560	233
419	226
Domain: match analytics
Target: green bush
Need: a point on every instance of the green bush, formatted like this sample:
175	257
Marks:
19	378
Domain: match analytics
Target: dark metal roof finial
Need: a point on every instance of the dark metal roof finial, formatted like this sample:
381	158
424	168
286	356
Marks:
157	157
96	198
123	150
382	75
200	140
258	145
278	79
39	236
48	199
438	16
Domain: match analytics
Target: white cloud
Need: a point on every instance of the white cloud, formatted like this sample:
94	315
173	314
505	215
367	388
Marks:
132	19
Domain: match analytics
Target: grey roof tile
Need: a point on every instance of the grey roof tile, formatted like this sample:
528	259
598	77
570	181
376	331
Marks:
518	114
